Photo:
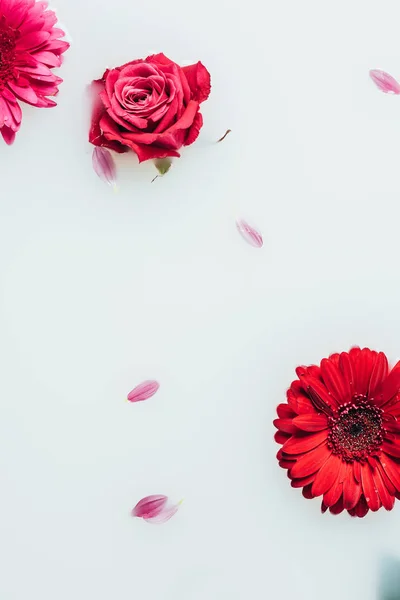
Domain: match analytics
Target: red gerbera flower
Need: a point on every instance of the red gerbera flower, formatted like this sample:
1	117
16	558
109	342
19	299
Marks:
340	431
29	48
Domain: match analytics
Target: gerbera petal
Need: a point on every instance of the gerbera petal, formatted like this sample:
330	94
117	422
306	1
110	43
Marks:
379	373
310	463
300	442
8	135
307	492
392	426
285	425
286	464
386	498
337	508
351	489
280	437
361	509
299	402
394	409
346	367
48	58
302	482
327	475
337	385
364	361
389	387
5	113
392	449
369	489
373	462
32	40
318	392
285	412
310	422
357	471
24	93
389	485
392	470
334	493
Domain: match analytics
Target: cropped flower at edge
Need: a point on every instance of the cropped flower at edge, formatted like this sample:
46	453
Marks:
340	432
30	46
149	106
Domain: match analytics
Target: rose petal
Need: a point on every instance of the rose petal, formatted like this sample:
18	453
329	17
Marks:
249	234
104	165
385	82
149	507
143	391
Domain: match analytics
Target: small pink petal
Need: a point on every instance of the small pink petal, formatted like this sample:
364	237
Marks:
155	510
165	515
143	391
248	233
149	507
385	82
104	165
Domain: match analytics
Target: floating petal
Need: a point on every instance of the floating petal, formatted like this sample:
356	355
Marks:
149	507
248	233
385	82
155	509
104	165
143	391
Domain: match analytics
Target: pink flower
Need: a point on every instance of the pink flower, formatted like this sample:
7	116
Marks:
143	391
149	106
155	509
30	47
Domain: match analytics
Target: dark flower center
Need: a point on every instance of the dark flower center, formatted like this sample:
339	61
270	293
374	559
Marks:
7	52
356	432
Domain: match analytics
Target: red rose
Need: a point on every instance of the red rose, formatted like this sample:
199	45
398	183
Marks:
150	106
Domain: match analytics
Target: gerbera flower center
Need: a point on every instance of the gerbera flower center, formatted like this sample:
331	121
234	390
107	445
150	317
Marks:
356	432
7	52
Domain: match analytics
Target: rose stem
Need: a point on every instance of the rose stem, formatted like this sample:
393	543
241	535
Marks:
224	136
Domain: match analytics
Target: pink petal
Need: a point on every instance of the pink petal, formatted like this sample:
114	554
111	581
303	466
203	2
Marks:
104	165
385	82
149	507
248	233
155	509
8	135
165	515
143	391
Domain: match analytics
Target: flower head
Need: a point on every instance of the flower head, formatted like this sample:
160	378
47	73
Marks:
149	106
340	432
30	47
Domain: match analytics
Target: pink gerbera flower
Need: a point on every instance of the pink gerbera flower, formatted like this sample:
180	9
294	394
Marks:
30	46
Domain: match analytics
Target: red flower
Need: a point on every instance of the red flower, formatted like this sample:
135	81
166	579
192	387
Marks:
29	48
150	106
340	431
